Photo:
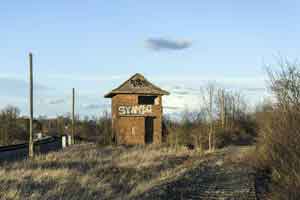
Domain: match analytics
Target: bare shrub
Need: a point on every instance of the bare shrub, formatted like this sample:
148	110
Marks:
12	128
279	132
222	120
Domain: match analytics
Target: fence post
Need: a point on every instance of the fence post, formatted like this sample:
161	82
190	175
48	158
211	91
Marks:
69	140
64	141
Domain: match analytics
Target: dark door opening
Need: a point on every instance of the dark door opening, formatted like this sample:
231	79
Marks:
148	130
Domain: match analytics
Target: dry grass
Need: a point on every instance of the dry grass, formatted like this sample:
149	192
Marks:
89	172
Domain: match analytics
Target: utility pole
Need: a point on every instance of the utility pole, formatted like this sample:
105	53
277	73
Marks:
31	152
210	135
73	115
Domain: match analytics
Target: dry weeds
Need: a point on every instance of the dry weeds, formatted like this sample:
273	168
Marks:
87	171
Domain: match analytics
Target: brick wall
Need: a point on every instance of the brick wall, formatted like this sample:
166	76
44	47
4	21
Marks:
131	129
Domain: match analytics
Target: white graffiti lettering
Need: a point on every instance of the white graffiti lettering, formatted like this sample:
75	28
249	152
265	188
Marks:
122	110
135	110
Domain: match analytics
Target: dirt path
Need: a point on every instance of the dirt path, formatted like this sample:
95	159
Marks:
222	177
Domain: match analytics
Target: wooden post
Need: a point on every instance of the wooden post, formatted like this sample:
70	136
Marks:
31	152
210	135
73	114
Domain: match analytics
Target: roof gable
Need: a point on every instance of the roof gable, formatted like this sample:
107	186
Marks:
137	84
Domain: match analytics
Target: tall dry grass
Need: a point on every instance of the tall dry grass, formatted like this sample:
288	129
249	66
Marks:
87	171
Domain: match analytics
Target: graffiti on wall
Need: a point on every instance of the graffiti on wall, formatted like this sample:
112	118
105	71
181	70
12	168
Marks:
135	110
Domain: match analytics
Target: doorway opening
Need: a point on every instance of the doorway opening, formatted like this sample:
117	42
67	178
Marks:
149	128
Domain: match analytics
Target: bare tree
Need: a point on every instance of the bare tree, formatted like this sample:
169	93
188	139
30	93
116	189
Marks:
208	94
8	124
220	104
285	84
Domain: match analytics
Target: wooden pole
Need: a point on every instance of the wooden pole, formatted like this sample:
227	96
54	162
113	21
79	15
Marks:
210	118
73	114
31	153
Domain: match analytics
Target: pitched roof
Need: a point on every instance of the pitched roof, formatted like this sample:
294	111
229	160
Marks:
137	84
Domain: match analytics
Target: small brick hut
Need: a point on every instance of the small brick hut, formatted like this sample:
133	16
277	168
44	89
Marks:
137	112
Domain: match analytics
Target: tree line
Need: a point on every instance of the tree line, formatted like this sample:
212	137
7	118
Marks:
14	129
222	119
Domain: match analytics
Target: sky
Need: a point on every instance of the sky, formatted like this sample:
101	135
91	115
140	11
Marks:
95	45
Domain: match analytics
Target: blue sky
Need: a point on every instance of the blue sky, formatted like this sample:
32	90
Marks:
95	45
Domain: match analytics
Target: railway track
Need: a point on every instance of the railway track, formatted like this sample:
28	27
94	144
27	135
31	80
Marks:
214	179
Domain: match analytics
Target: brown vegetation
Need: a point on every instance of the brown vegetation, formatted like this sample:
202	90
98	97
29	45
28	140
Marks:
279	133
86	171
12	127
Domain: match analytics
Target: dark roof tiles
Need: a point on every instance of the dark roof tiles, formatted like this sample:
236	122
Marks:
137	84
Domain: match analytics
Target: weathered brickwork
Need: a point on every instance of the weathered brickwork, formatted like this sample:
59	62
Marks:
135	121
131	129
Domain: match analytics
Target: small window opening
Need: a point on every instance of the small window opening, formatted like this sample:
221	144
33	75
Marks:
146	100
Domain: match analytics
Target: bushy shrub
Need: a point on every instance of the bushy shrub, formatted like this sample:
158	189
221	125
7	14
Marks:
279	150
279	133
